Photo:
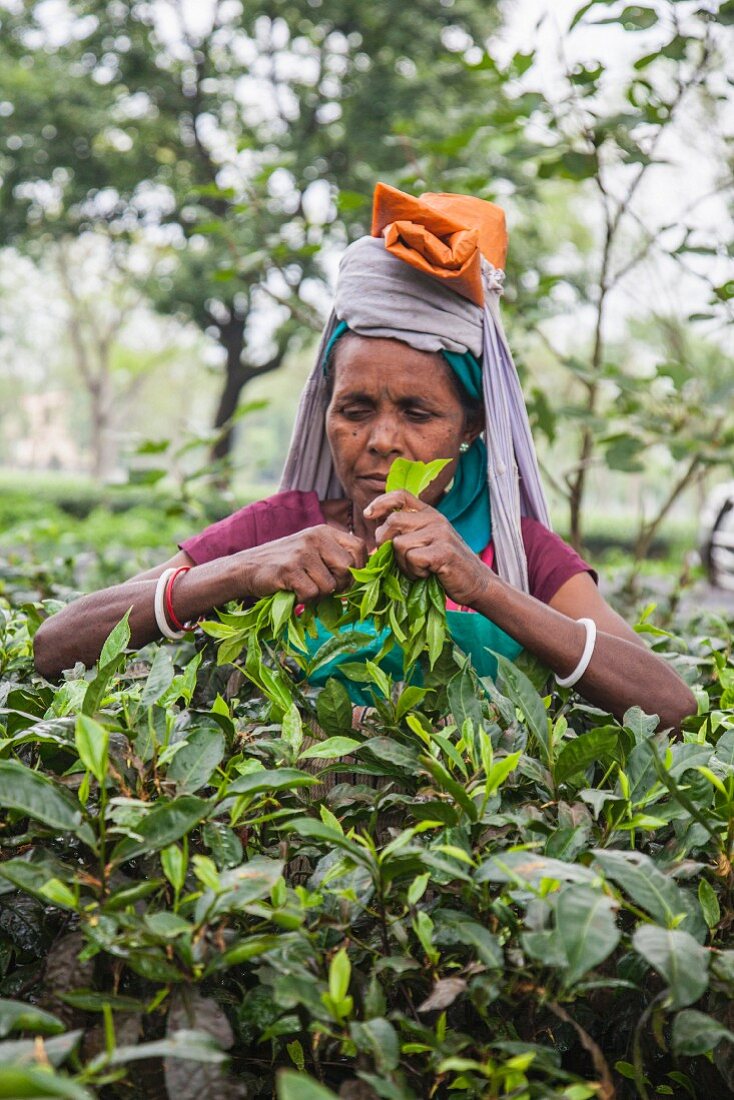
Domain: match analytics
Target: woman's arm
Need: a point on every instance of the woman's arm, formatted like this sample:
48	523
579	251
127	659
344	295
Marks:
622	672
311	563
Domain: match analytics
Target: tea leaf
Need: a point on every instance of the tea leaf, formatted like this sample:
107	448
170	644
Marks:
331	747
117	642
334	708
340	972
588	748
263	780
160	677
21	1081
522	693
413	477
15	1016
92	744
166	822
709	903
696	1033
586	928
379	1038
294	1086
678	958
192	766
38	797
649	888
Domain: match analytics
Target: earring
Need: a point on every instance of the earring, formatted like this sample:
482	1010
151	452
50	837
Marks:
464	447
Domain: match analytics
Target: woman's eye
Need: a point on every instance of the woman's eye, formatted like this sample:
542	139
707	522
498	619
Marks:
419	415
355	413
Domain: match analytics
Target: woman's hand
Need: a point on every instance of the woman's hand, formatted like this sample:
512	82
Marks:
425	542
312	563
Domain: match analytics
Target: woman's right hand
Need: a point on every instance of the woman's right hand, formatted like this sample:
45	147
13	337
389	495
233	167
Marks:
312	563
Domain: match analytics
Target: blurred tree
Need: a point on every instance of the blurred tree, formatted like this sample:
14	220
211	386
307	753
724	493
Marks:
610	142
101	309
248	139
79	340
93	332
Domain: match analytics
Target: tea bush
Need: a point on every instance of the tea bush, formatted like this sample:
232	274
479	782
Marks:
476	890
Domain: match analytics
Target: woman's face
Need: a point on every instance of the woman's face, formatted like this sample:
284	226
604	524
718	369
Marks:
390	401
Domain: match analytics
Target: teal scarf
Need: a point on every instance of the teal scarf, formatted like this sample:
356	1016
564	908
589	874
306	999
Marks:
466	506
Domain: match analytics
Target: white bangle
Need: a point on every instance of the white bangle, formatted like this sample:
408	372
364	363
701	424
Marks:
581	667
160	614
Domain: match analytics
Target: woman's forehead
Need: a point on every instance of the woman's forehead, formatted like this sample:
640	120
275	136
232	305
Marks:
361	362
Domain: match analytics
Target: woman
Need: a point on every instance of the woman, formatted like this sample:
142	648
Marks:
413	364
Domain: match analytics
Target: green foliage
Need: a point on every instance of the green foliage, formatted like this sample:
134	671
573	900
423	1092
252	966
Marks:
344	81
465	894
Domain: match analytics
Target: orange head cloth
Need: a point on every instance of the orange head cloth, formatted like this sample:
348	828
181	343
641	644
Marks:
442	235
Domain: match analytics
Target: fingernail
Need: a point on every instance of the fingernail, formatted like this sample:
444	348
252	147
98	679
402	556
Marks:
368	510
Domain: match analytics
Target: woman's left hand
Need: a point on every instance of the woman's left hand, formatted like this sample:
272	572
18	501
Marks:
425	542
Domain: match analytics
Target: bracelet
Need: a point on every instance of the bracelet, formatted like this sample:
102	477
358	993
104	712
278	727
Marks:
581	667
168	599
160	615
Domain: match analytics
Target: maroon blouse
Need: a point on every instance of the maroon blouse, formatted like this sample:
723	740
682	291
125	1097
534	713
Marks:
551	561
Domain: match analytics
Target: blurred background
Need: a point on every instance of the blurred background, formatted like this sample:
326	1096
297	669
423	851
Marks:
179	177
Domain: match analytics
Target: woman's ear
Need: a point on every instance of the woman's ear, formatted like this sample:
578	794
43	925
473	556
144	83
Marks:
474	425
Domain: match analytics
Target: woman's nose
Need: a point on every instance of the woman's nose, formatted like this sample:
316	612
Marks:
385	436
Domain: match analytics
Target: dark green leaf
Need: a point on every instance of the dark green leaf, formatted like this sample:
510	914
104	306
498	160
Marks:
296	1086
166	822
696	1033
334	708
116	643
15	1016
160	677
453	926
263	780
585	926
463	699
378	1038
679	960
38	797
23	1052
331	748
588	748
192	766
654	891
519	866
520	690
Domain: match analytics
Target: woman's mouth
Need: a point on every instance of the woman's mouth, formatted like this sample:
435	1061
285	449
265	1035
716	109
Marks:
374	482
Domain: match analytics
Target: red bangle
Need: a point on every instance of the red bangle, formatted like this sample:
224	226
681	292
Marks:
168	598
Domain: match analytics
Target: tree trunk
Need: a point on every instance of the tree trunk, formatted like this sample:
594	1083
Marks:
577	492
238	374
231	337
100	428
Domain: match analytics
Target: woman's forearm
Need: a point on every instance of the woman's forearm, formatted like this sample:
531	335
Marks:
621	673
314	562
78	631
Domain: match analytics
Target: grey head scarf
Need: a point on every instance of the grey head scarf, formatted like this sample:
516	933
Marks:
380	295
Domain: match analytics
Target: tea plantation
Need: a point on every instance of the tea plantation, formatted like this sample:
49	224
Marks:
476	890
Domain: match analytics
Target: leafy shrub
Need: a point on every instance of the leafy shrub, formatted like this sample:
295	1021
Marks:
476	891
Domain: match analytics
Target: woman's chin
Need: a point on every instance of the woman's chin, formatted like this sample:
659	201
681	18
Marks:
364	492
